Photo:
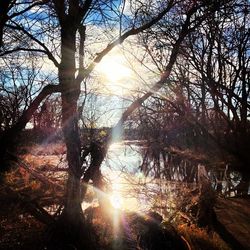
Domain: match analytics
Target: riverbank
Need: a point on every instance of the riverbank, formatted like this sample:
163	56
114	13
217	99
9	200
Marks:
23	232
39	180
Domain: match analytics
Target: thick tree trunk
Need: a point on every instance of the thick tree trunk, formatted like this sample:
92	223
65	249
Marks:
72	139
70	226
71	220
3	18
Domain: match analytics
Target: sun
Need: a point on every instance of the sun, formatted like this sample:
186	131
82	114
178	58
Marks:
113	68
116	201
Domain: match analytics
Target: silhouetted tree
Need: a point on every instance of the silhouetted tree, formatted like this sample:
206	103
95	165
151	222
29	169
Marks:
69	21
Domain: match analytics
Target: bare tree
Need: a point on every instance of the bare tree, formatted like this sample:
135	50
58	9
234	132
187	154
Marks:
69	19
205	105
69	15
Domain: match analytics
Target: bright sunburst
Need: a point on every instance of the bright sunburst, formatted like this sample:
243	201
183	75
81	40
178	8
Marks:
114	69
116	201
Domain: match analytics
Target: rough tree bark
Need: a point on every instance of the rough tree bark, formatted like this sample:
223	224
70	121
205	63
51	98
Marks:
3	18
72	213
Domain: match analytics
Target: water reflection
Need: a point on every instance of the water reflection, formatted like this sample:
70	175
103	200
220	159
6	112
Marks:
138	192
162	183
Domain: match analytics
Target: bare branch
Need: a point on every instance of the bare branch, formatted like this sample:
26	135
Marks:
164	77
22	49
42	2
46	50
134	31
27	114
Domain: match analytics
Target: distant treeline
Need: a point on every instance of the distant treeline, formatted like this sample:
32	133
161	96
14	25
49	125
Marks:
50	135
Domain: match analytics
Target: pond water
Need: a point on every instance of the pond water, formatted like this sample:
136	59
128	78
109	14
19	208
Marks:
132	190
128	188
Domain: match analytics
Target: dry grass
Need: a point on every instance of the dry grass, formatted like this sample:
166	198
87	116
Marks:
200	239
20	231
41	158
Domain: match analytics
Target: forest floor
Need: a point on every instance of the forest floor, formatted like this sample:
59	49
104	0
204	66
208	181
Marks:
18	231
114	229
21	231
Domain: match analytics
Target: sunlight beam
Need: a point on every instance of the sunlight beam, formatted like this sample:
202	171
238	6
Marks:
116	201
113	68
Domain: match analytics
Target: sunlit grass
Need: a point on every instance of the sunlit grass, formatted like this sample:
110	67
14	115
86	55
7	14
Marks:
200	238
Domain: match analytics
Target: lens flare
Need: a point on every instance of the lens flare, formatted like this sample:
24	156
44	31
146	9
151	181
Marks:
116	201
114	68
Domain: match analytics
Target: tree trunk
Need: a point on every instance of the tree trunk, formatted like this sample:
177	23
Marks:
72	139
70	227
3	18
70	95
